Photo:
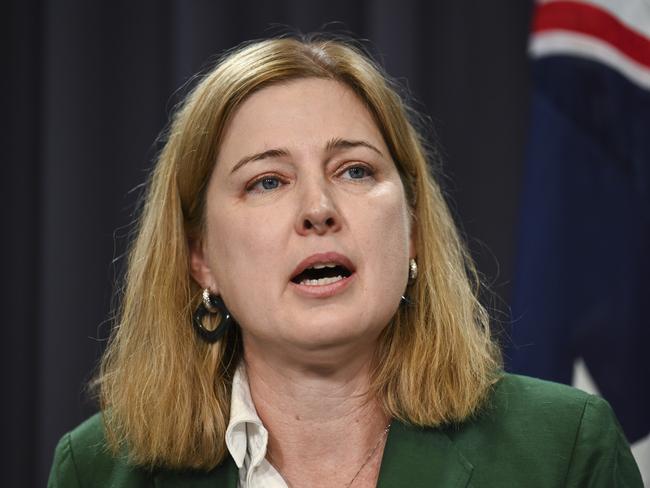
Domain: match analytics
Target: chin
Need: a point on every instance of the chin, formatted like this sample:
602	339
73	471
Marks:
333	333
327	353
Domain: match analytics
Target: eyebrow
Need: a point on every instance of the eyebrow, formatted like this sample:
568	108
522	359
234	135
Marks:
338	144
333	145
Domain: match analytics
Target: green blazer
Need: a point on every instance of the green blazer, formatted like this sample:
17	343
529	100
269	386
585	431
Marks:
530	434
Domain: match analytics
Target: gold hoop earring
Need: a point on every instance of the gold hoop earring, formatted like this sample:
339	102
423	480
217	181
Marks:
413	270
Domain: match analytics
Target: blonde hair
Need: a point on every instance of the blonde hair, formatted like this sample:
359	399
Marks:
165	393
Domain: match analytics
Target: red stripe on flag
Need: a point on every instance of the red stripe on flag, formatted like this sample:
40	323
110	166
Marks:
595	22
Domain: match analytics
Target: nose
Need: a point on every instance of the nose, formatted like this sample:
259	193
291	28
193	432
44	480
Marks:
318	213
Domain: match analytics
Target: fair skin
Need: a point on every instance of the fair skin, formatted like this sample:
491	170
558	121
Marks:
304	178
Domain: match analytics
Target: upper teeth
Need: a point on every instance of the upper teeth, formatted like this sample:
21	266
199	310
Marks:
324	265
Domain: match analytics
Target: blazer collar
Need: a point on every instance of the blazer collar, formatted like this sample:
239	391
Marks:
226	475
414	457
422	457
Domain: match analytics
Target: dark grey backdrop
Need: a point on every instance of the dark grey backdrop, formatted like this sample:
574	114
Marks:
89	85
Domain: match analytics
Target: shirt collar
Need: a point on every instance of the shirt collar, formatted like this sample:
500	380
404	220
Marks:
245	432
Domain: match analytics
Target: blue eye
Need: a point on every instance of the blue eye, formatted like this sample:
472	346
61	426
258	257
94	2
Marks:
357	172
270	183
266	183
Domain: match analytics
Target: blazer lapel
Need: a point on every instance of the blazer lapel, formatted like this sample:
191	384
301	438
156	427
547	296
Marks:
226	475
422	457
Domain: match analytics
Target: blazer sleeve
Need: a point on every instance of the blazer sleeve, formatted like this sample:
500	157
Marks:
64	471
601	454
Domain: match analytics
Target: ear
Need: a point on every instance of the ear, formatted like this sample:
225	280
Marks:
199	267
413	239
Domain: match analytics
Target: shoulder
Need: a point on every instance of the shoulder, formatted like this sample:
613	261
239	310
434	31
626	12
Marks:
82	458
526	415
534	428
522	396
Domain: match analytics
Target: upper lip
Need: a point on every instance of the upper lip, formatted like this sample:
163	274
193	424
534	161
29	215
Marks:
323	258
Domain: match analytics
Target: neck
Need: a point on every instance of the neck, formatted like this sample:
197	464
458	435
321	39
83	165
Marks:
323	422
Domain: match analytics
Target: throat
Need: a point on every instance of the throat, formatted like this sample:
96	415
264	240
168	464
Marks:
319	421
355	462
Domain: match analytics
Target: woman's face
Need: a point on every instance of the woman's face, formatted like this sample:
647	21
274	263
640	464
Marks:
307	234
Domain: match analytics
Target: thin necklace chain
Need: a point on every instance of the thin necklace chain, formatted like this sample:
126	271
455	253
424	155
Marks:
383	434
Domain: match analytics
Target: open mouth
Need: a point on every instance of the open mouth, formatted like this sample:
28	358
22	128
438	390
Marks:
322	274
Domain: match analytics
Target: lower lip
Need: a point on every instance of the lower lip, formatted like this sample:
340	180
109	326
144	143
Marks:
323	291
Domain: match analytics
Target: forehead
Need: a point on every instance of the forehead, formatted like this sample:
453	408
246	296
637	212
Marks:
298	114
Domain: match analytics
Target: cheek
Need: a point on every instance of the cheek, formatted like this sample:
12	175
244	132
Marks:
393	221
386	239
246	249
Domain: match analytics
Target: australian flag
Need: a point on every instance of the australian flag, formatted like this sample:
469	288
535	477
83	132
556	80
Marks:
582	285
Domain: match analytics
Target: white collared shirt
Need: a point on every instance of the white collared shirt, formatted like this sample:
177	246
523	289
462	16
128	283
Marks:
247	438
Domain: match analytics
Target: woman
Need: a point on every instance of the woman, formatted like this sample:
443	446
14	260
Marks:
299	309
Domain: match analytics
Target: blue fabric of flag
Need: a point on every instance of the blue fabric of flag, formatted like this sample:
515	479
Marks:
582	285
